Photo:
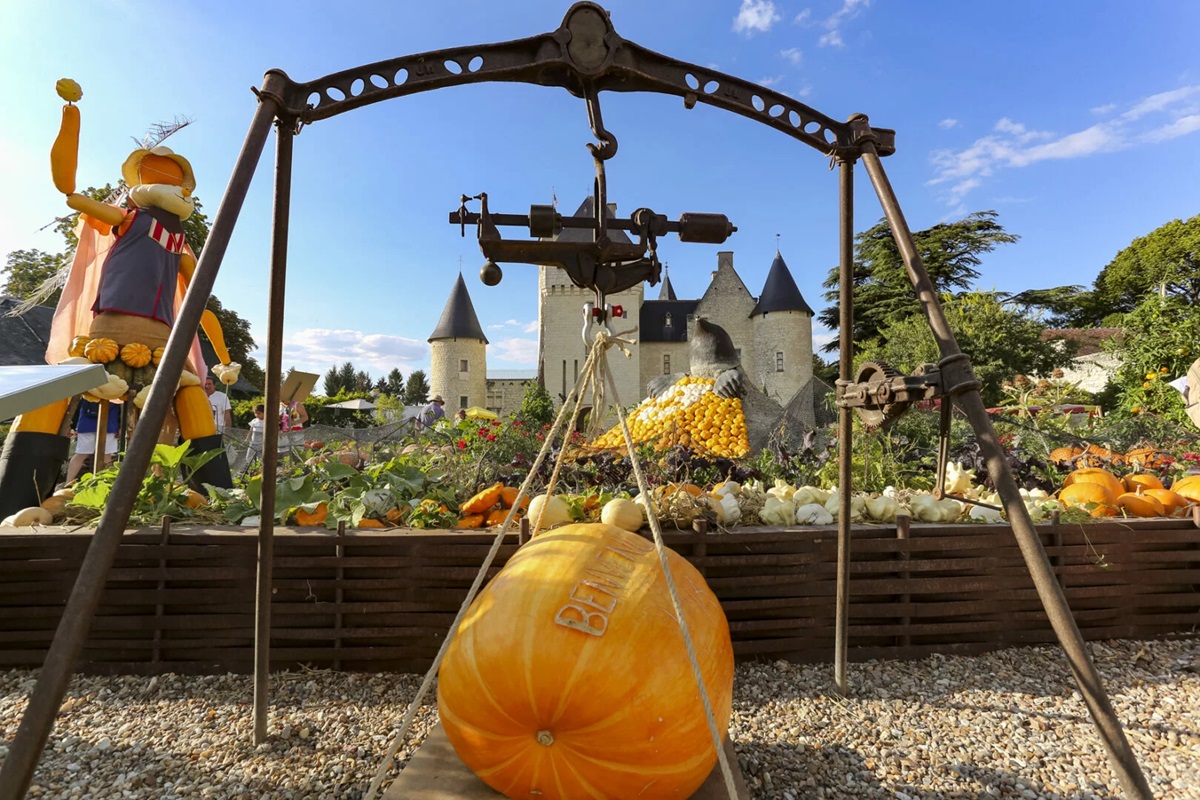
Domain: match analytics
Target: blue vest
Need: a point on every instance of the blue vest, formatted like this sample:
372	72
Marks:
142	269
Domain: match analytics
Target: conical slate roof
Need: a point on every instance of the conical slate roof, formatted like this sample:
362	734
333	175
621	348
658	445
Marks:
458	317
587	209
780	292
667	292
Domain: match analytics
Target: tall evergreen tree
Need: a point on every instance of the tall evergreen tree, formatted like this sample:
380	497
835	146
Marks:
416	391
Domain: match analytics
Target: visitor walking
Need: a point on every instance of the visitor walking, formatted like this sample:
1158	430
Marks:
222	410
432	412
85	437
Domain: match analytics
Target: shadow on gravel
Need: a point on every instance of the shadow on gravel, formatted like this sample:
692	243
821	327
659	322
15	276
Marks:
797	774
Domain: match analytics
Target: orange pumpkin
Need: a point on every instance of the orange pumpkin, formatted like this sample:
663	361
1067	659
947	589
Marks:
136	355
1100	476
367	522
1187	489
482	502
100	351
314	518
1173	503
1141	480
1141	505
1185	482
508	496
470	521
545	691
1093	497
1063	455
497	516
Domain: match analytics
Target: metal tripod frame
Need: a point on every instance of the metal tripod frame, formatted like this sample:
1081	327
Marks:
584	55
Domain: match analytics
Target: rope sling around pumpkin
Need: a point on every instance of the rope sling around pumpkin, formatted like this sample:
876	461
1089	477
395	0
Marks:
543	689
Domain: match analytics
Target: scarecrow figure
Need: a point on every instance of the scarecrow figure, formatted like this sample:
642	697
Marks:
126	280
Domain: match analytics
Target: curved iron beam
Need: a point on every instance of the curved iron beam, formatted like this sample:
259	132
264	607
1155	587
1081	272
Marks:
584	53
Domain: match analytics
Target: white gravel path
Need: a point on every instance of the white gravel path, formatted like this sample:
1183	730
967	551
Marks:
1009	724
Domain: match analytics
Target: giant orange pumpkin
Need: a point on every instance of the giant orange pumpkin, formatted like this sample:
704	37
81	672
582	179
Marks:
1094	475
568	677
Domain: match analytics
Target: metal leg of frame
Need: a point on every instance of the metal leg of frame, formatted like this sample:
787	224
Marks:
845	419
1120	755
285	136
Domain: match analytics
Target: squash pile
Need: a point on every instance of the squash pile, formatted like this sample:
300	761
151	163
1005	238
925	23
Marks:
1138	494
1095	456
490	507
687	414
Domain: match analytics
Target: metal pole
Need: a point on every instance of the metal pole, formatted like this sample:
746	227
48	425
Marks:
44	702
284	138
845	418
1120	755
101	436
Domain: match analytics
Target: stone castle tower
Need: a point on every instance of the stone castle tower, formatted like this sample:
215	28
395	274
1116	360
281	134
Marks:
458	369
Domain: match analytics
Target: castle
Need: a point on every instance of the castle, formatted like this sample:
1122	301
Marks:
772	331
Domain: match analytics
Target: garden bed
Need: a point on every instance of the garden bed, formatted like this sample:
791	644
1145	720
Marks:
183	601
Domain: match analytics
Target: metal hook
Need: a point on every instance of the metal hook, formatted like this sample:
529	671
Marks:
608	142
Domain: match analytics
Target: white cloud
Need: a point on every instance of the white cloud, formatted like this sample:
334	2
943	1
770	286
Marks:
1180	127
524	327
831	39
803	91
1160	102
317	349
1013	144
802	17
518	351
1104	109
948	123
769	82
793	54
849	10
756	16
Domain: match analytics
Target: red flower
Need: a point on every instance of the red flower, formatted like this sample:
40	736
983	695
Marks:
483	431
462	444
491	437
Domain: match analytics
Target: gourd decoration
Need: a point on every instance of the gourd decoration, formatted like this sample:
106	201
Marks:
101	351
1095	498
568	677
136	355
156	355
78	344
484	501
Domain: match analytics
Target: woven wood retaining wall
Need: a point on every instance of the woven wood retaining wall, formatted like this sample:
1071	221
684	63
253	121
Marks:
383	600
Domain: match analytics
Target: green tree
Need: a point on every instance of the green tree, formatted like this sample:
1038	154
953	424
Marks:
1001	342
416	391
1164	261
393	384
363	382
333	382
537	406
28	270
347	377
883	294
1161	340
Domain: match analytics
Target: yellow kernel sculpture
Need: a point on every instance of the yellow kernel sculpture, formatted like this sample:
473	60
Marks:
688	414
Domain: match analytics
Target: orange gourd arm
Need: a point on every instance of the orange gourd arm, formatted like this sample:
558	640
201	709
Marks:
212	329
102	212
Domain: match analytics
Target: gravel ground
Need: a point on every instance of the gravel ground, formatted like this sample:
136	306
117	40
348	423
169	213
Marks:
1009	724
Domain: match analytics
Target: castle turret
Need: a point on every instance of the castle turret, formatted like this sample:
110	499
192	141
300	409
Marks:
458	371
560	323
782	328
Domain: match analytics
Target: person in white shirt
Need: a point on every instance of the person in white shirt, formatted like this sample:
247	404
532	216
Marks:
256	432
222	410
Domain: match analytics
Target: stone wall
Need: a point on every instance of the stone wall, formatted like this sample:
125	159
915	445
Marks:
447	378
781	336
504	395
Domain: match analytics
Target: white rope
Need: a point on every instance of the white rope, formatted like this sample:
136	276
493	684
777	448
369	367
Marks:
415	704
656	528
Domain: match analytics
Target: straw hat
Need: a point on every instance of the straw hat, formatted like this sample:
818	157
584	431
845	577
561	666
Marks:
437	398
131	169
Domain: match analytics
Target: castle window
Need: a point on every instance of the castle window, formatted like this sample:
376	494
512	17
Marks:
564	379
462	365
462	401
779	361
666	363
577	370
667	320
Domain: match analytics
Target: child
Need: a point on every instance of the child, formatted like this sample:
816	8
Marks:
256	432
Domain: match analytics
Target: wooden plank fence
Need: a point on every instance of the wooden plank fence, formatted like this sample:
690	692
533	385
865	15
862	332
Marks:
182	600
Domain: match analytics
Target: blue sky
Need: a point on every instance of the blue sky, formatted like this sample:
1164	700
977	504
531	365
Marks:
1076	121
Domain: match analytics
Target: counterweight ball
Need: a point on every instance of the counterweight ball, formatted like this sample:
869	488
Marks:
490	273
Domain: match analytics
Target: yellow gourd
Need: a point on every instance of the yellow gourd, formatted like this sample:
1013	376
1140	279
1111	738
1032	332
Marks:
156	355
136	355
194	412
625	514
64	154
483	501
101	351
470	521
556	511
77	346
